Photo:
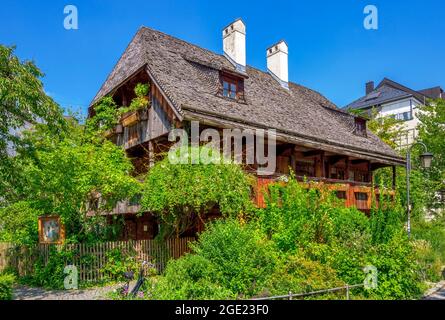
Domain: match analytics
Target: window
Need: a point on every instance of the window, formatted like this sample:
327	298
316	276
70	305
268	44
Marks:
305	169
232	87
229	89
404	116
361	196
337	173
341	195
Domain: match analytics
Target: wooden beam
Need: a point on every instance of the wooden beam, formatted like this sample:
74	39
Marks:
312	153
359	161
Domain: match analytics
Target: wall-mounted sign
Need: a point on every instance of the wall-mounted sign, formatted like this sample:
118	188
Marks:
51	230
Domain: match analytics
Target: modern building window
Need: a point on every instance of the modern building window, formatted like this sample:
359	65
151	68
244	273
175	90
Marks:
404	116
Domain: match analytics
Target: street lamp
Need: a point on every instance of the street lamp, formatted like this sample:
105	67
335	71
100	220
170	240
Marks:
425	160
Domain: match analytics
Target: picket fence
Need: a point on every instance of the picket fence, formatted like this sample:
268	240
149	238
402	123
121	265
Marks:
90	259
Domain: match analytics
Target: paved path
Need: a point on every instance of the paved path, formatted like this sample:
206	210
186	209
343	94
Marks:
27	293
438	293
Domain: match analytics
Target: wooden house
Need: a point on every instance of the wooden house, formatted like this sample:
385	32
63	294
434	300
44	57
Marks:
188	83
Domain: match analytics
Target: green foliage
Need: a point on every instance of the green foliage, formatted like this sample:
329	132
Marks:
50	275
18	224
188	278
107	113
23	102
141	99
242	256
304	240
180	193
62	174
120	261
296	216
299	274
432	133
398	269
430	245
6	283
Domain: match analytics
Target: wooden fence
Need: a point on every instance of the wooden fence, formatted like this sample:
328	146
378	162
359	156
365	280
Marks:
92	260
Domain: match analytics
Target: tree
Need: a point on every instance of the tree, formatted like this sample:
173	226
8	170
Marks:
23	102
432	133
62	174
182	193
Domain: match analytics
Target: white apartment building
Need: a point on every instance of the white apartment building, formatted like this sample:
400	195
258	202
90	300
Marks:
395	100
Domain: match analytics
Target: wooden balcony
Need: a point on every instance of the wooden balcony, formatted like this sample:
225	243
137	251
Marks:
355	194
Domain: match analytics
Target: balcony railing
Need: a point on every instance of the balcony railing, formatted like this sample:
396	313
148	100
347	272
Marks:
355	194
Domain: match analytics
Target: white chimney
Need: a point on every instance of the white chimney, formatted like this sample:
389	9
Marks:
234	43
277	63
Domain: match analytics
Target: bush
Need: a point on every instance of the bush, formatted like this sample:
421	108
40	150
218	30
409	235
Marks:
231	260
189	278
118	262
51	275
242	257
433	253
299	274
18	224
6	283
398	269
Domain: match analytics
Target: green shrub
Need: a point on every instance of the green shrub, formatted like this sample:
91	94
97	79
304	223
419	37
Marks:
51	275
189	278
242	257
6	283
299	274
431	247
119	261
18	224
398	269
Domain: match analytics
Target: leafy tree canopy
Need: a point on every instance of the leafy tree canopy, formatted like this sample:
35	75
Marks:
181	193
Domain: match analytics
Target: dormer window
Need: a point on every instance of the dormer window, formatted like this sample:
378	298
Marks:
360	127
232	87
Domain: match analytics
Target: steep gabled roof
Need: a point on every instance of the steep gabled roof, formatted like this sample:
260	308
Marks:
387	91
433	93
189	76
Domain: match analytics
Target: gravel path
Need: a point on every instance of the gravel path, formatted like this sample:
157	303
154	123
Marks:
27	293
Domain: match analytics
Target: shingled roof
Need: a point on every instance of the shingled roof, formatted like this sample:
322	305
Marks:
388	91
189	77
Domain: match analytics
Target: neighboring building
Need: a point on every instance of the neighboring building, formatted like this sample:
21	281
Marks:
314	137
393	99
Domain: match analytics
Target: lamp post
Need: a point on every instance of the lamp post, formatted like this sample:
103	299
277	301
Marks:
425	159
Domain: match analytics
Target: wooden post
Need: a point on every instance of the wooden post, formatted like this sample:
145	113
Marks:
394	178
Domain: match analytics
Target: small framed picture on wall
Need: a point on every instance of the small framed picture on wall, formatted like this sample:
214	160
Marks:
51	230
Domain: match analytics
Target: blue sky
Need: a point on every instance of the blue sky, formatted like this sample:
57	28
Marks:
329	49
